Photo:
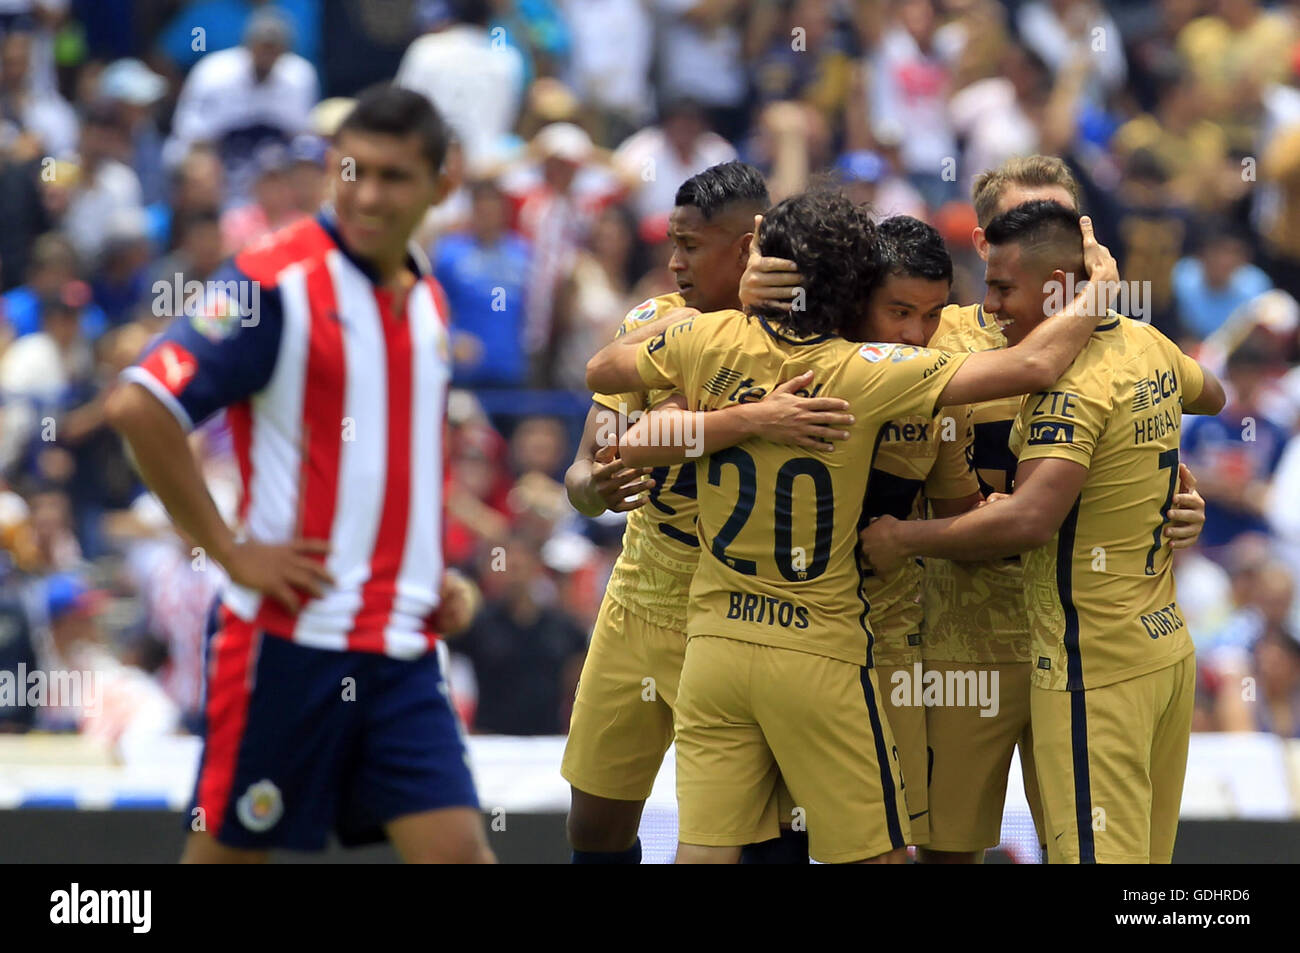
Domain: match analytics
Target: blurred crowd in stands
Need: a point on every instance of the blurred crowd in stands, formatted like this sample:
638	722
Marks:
142	142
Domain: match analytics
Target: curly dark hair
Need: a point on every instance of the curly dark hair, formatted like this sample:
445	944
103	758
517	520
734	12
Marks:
835	245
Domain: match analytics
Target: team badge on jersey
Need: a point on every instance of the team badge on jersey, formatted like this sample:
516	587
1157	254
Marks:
642	312
875	352
261	806
216	315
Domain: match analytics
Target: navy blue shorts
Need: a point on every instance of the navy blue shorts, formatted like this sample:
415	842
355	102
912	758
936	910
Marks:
300	742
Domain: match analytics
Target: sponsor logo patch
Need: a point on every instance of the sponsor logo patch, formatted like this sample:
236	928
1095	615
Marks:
172	366
1047	432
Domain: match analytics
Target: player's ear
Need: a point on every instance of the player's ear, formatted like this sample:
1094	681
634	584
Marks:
443	186
980	242
746	242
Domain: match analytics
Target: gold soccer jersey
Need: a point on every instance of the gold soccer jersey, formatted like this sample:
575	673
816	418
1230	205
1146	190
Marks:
1100	595
778	525
975	612
660	550
918	457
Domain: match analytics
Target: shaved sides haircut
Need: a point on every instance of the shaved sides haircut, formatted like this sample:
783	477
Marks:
1047	233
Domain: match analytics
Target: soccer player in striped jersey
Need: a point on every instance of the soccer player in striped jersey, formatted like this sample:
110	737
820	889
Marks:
327	344
1114	677
622	721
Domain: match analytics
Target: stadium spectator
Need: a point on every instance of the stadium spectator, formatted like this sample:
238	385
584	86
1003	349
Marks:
241	98
1256	659
1058	30
656	160
274	204
53	269
1234	52
910	86
613	42
225	22
597	293
40	113
1216	281
197	256
484	273
555	216
475	79
136	90
106	194
308	181
119	703
1236	453
700	56
526	652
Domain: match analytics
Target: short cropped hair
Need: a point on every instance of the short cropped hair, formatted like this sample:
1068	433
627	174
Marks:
1036	171
394	111
721	186
1046	231
913	248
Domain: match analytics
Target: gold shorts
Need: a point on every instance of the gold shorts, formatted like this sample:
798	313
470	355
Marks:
907	721
971	755
622	721
746	712
1111	762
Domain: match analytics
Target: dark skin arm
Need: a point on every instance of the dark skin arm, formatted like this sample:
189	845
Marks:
613	368
1045	491
167	466
598	480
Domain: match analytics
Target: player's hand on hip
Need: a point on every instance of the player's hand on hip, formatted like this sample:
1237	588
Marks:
768	282
993	498
459	602
1186	513
619	487
281	570
881	545
786	417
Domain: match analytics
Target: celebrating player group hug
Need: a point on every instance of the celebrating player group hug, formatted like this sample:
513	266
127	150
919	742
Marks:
877	541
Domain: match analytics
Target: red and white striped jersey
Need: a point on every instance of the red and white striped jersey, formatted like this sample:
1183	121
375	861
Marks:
337	410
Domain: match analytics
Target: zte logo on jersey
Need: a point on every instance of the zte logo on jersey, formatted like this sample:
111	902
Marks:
1050	432
660	339
1056	403
172	366
1149	392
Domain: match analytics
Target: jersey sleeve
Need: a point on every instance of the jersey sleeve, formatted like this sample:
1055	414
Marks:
902	380
1192	376
953	474
219	351
647	310
1067	421
670	360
